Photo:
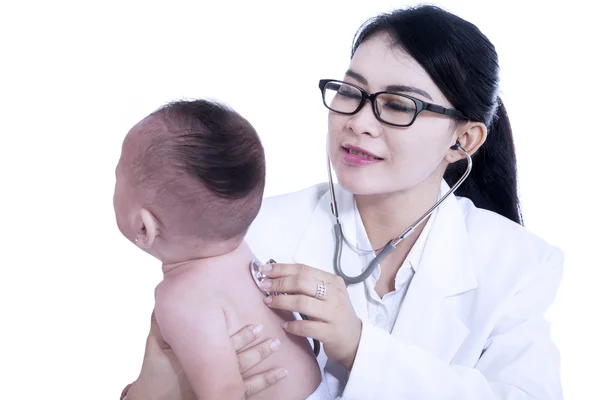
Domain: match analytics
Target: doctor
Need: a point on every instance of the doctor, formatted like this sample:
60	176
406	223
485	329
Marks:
456	311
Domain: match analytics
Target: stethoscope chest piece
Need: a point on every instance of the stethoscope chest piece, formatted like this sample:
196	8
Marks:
259	276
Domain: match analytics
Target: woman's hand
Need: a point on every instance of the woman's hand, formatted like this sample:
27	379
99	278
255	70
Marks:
162	377
332	319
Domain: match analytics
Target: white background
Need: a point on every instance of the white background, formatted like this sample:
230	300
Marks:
75	296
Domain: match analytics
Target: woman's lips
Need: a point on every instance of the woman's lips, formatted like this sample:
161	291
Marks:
356	156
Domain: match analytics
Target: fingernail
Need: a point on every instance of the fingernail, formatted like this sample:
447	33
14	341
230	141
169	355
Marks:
257	330
281	373
268	300
275	344
265	284
266	267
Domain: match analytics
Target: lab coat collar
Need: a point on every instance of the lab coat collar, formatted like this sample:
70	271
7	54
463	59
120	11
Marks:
446	270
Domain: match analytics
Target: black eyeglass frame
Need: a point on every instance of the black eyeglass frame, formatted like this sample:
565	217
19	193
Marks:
421	105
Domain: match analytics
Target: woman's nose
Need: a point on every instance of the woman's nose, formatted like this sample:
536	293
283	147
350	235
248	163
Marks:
365	121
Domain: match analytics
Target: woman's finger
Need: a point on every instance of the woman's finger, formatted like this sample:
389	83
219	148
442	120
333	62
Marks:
254	355
280	270
259	382
245	336
313	329
293	284
311	307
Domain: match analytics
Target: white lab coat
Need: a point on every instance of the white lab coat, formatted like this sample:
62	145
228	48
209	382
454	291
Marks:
472	324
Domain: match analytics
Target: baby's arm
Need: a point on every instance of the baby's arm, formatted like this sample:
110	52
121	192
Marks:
195	328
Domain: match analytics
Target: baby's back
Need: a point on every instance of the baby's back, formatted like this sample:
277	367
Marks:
244	305
226	287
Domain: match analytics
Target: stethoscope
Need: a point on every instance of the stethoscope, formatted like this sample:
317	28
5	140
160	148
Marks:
340	239
391	245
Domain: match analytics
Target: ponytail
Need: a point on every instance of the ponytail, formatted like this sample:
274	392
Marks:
492	184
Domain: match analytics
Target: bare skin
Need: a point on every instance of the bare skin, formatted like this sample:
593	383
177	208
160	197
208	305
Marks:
199	306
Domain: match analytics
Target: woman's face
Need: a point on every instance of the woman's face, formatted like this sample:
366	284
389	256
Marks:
404	156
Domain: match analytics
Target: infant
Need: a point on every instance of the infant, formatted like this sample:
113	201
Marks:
189	183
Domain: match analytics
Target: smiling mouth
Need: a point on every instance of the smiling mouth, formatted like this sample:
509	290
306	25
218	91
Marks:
360	154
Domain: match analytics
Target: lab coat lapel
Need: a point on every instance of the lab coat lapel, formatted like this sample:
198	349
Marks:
427	318
317	245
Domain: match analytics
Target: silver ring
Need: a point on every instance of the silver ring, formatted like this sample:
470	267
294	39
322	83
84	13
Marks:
321	290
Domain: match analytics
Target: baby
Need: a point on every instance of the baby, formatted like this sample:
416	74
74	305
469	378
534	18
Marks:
189	183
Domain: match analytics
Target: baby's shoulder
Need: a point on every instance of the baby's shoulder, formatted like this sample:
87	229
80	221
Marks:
190	286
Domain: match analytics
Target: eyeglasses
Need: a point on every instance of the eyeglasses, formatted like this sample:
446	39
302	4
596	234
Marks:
391	108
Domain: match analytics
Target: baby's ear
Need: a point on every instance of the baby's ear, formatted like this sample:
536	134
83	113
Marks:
148	229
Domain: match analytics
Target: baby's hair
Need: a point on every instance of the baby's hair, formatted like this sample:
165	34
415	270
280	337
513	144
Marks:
203	167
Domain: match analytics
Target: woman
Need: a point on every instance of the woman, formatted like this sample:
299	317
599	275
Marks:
456	311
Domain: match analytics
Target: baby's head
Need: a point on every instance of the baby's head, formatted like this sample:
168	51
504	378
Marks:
190	181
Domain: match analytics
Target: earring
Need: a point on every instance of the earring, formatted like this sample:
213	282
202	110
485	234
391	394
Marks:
137	238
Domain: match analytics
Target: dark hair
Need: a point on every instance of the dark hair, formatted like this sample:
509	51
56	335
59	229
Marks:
464	65
222	154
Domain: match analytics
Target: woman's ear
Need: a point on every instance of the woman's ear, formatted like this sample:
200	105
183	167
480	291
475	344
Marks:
472	137
148	230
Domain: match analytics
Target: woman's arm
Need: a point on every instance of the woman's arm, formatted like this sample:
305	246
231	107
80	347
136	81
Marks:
520	361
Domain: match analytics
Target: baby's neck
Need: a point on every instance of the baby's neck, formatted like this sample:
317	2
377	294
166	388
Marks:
232	259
